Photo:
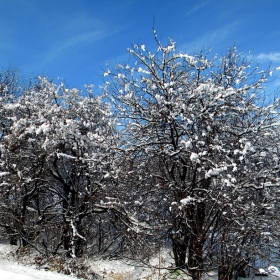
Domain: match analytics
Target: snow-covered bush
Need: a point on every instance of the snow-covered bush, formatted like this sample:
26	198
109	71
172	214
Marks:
54	158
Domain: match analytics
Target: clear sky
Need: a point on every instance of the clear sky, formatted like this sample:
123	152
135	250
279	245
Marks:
73	39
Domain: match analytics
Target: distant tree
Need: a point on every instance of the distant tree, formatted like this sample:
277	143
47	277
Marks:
11	86
201	151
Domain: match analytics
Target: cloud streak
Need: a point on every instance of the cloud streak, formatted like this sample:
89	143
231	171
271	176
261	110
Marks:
74	33
77	40
271	57
210	39
196	8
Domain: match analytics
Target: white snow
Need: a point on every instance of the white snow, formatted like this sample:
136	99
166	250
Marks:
12	271
188	144
194	157
272	269
187	200
143	48
262	272
106	269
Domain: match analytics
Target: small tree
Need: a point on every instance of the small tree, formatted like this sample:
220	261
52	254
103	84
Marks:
200	130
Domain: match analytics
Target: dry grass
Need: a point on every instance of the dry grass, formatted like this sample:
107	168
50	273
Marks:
118	276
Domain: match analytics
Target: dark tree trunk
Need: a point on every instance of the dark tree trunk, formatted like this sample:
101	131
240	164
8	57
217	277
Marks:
13	240
195	257
179	251
225	272
66	238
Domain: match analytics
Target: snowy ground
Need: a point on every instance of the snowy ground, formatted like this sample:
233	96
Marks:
106	269
12	271
111	270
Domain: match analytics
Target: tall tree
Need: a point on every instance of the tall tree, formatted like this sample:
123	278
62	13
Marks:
206	144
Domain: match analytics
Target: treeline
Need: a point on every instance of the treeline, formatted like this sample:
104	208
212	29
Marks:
180	151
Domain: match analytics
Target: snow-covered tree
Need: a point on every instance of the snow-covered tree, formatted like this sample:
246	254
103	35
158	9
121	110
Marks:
54	159
200	139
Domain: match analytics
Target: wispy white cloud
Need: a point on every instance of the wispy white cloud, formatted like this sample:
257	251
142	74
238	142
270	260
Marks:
210	39
74	33
196	8
271	57
65	44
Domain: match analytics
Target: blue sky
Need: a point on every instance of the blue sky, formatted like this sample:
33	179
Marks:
73	39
